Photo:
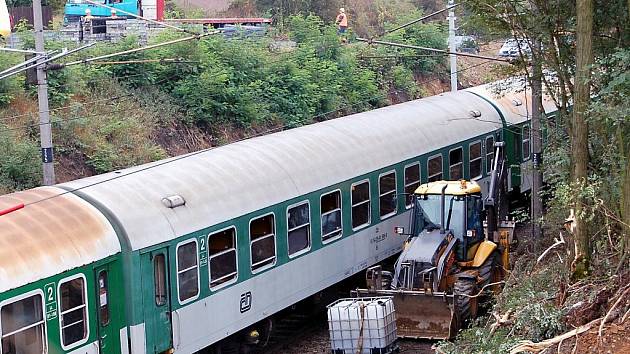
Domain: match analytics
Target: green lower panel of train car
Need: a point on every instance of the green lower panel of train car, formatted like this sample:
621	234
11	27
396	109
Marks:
80	309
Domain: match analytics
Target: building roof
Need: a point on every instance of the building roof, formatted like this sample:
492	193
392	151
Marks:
58	233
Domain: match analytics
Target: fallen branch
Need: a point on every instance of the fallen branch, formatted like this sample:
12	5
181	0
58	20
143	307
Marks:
601	325
558	243
500	321
529	346
482	289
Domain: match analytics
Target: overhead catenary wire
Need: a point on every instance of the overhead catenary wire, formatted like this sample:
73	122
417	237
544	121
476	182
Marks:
135	50
445	52
143	61
418	20
46	61
23	51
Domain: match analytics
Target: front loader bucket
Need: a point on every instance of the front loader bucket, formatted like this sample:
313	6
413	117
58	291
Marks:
420	315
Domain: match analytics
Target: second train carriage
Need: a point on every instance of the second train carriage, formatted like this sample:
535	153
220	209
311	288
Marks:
191	250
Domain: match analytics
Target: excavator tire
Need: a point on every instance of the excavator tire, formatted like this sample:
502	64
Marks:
487	272
466	304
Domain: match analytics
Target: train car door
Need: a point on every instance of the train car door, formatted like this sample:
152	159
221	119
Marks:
108	337
157	304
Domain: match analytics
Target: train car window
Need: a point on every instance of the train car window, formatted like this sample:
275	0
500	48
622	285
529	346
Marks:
187	271
412	181
387	194
361	208
262	242
103	298
299	226
73	312
222	257
434	166
489	154
159	279
23	327
475	160
526	145
331	215
456	164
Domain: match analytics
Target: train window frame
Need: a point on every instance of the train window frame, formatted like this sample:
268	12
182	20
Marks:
471	160
235	249
460	164
321	215
381	195
353	205
104	319
43	322
251	242
85	307
160	289
441	170
178	271
526	141
309	228
489	153
408	195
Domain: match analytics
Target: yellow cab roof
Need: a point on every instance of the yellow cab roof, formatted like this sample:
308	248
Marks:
461	187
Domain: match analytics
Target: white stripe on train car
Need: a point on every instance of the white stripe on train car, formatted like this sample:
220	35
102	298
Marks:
124	341
138	339
91	348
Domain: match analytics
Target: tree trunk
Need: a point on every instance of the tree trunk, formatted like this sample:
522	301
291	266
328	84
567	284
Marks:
579	128
625	202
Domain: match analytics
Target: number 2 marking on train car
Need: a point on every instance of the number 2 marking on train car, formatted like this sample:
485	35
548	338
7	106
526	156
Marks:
51	301
203	255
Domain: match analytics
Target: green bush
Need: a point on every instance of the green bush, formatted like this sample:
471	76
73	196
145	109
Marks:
20	166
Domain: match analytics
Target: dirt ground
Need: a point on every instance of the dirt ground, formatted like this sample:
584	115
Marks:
317	342
614	340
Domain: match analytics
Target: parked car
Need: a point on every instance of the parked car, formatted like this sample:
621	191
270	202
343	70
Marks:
510	48
466	44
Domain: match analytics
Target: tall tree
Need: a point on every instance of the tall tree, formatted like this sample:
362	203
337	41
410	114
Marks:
579	127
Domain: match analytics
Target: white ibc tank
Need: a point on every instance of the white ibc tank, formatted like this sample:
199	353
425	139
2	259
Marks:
365	325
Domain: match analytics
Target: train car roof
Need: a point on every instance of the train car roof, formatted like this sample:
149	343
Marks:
513	97
58	233
242	177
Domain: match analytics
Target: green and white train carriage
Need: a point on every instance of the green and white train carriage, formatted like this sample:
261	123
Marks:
59	274
197	248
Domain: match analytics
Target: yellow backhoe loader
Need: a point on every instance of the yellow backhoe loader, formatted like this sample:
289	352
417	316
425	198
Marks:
450	261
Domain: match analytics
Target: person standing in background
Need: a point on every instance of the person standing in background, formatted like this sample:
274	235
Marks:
342	22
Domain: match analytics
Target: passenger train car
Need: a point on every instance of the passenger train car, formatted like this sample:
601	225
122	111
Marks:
176	255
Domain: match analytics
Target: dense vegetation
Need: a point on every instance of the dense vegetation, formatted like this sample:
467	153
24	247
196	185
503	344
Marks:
112	116
582	280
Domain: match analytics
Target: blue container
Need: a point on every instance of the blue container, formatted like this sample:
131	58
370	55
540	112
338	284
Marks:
75	9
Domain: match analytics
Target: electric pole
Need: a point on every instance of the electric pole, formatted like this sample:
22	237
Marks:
451	45
536	139
42	99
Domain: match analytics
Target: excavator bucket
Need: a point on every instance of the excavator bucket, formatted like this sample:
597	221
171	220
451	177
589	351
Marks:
419	314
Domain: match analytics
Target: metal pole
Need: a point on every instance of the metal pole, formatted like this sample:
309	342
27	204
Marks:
42	98
536	139
451	45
